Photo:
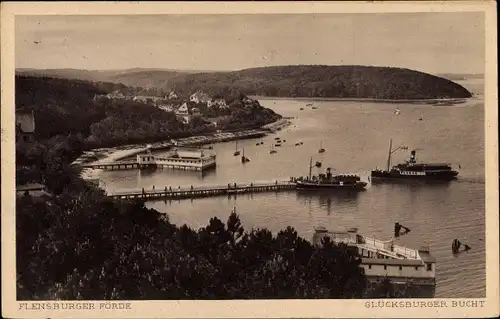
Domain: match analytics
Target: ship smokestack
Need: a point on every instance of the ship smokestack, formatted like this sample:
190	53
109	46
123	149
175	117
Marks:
412	156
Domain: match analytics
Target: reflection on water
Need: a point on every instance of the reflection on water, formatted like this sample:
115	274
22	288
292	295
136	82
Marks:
150	172
413	184
329	200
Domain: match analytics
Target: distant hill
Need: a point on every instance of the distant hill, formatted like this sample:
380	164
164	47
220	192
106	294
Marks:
290	81
94	75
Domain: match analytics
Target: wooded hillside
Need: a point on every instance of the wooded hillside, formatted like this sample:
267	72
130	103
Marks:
295	81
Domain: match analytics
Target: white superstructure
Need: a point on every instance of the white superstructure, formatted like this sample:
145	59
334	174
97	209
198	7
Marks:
180	158
382	259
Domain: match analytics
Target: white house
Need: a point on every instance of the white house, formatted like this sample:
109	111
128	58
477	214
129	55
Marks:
182	110
172	96
182	113
199	97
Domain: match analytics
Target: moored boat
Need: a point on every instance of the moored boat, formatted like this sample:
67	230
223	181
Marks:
321	149
328	180
236	152
385	259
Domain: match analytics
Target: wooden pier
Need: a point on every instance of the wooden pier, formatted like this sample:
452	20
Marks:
116	165
168	192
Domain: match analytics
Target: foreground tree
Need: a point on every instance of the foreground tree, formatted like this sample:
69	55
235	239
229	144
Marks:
82	245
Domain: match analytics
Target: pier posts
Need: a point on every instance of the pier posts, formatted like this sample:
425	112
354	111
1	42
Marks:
397	229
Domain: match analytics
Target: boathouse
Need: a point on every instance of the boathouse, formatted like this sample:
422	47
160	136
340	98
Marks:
381	259
179	158
188	159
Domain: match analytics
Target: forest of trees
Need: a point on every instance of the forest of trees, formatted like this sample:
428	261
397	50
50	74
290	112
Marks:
349	81
82	245
327	81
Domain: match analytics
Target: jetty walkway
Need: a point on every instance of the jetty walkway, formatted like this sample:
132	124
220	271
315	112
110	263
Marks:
114	165
169	192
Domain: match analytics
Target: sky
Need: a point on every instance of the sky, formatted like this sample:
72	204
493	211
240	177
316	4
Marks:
429	42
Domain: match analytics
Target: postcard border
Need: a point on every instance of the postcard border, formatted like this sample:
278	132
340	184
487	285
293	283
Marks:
250	308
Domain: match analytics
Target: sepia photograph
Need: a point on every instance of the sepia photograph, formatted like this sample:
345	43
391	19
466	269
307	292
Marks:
258	156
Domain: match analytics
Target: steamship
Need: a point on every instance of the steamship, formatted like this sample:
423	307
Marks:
413	170
328	180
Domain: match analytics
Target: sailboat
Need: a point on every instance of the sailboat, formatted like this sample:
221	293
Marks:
236	153
273	151
321	149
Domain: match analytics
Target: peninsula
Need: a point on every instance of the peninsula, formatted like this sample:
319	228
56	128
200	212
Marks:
308	81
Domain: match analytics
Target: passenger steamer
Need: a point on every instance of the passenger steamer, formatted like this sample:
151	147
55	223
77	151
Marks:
381	259
413	170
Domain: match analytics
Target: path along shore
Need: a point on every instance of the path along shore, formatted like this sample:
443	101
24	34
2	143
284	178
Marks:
112	154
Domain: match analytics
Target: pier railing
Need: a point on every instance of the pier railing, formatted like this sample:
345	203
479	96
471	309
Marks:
177	192
388	248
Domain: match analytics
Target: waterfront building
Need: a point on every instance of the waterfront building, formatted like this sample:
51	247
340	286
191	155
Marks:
381	259
180	158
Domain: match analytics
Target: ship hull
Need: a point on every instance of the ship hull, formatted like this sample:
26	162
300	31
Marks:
438	176
306	185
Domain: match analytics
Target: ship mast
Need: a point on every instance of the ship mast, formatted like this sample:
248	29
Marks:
391	151
389	157
310	168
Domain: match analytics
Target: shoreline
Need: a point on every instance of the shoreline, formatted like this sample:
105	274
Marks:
370	100
117	153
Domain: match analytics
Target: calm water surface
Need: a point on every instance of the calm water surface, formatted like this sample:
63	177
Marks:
356	138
